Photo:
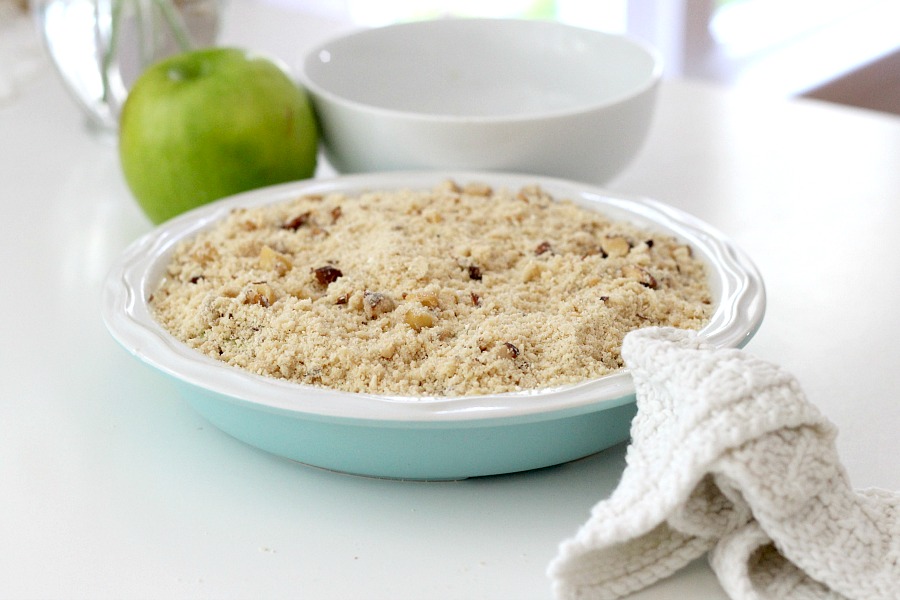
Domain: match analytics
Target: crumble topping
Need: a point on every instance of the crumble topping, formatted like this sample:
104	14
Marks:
457	290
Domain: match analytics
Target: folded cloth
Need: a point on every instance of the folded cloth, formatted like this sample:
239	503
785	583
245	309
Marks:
727	457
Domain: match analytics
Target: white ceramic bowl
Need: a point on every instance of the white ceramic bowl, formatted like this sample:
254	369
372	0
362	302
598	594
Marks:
403	437
519	96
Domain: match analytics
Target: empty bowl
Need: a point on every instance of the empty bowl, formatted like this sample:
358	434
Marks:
507	95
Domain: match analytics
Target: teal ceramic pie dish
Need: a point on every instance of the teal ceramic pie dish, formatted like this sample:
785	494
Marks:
423	438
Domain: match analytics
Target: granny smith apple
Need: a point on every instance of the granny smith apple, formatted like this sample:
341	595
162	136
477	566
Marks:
209	123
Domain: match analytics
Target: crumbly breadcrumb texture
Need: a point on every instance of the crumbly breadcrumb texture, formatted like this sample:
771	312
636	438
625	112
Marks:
459	290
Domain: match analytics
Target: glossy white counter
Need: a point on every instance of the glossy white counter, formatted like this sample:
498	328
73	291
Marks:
111	487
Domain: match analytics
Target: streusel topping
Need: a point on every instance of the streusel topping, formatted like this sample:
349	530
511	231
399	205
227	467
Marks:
453	291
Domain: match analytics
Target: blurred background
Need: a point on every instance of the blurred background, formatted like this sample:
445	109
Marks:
845	51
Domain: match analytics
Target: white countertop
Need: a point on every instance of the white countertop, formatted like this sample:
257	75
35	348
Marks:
112	487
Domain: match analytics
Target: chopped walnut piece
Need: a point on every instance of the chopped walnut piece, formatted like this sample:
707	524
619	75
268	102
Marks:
583	243
336	213
475	272
508	350
205	254
543	248
477	189
433	216
298	221
327	275
615	246
447	185
429	299
260	293
531	193
641	275
272	260
419	319
376	304
532	271
388	350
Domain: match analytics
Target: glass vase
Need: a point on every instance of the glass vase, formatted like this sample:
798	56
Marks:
99	47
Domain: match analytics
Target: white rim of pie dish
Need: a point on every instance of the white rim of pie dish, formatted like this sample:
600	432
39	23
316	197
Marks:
737	286
317	88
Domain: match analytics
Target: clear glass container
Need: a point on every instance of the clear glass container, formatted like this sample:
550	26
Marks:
99	47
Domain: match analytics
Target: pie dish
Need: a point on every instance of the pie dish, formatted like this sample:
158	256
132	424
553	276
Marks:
415	437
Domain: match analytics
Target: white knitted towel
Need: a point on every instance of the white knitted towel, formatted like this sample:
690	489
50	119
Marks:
728	457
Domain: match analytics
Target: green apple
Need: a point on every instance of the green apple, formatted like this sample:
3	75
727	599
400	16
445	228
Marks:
209	123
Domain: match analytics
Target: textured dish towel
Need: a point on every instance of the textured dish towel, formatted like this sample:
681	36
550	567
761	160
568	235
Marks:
728	457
